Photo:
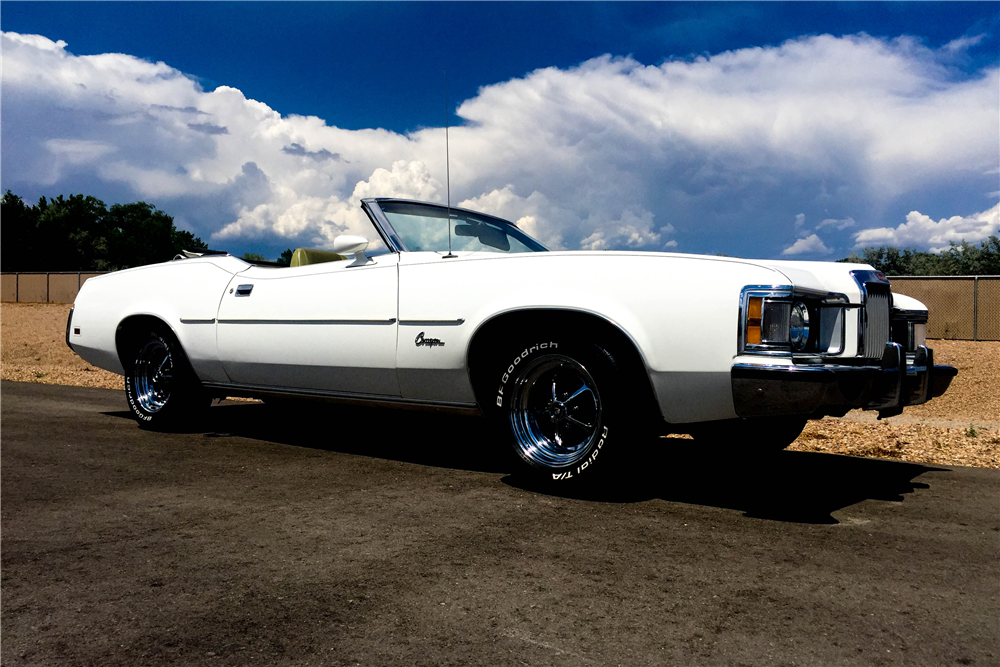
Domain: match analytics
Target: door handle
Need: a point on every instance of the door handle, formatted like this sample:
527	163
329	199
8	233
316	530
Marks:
244	290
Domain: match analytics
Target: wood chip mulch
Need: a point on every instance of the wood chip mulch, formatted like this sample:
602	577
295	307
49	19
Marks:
33	348
918	443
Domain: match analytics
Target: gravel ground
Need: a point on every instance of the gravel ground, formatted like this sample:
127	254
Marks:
33	348
960	428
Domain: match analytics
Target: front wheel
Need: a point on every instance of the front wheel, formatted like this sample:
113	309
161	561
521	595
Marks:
561	402
160	386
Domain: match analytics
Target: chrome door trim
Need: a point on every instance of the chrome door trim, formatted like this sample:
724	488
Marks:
377	400
375	322
432	323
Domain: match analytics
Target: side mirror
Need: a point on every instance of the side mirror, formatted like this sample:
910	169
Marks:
352	245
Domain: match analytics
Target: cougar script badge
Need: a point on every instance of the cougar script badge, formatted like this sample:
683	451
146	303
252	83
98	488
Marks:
429	342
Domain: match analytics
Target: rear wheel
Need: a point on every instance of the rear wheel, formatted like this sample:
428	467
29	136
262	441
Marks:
160	386
562	406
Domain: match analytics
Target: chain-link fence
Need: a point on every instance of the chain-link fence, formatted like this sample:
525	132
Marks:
961	307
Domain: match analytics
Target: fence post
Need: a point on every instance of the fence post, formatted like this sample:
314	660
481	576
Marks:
975	308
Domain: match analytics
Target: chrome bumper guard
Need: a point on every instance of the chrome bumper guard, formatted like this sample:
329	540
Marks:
900	379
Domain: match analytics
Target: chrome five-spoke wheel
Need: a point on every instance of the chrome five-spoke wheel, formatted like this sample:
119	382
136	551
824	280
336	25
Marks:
153	376
555	412
161	388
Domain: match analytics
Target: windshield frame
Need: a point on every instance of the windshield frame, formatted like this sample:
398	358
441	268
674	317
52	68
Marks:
394	242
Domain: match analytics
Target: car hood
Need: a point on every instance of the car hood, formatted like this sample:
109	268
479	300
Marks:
821	276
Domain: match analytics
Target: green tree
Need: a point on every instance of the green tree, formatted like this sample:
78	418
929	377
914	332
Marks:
969	260
962	259
286	257
18	233
70	234
140	234
79	233
254	257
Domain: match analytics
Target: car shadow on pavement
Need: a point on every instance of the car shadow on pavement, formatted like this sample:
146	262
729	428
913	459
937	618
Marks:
426	438
801	487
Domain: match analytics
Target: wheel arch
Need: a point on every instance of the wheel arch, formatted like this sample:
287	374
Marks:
609	334
127	330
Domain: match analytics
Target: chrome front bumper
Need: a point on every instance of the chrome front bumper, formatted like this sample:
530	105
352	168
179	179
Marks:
900	379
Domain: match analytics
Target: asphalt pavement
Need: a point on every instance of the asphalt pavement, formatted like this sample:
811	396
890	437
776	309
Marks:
346	536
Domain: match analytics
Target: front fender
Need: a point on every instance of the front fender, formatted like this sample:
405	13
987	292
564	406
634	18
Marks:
681	313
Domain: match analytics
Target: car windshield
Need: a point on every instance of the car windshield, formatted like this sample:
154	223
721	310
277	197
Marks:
424	227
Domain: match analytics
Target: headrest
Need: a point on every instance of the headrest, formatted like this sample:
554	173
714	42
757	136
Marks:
303	256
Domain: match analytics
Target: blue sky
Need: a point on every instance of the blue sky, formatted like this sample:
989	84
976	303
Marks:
357	67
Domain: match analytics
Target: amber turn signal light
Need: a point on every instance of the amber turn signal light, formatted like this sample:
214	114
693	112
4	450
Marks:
754	307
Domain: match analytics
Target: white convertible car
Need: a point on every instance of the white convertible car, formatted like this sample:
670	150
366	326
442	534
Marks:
574	354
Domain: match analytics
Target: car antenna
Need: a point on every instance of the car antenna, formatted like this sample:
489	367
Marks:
447	162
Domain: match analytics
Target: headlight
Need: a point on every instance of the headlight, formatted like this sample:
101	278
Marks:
908	330
767	321
779	321
798	328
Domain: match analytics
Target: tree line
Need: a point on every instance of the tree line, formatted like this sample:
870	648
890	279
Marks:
962	259
80	233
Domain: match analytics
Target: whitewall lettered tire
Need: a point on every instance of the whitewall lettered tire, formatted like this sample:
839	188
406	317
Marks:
561	403
161	389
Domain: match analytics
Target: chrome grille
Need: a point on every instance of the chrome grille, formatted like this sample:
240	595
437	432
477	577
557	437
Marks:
876	325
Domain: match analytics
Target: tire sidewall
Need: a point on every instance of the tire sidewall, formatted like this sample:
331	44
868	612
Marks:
169	413
598	457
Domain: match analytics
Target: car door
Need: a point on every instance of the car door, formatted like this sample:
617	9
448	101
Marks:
327	327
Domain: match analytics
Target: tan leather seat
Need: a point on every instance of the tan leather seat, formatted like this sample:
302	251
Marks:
303	256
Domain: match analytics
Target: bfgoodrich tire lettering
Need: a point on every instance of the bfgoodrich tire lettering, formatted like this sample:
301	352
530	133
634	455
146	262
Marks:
161	389
560	401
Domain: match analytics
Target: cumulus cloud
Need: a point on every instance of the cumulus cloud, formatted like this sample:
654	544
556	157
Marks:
921	231
536	214
810	244
320	155
717	149
633	230
836	224
407	180
318	220
208	128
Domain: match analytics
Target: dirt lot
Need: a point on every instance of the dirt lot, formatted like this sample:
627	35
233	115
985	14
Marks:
960	428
